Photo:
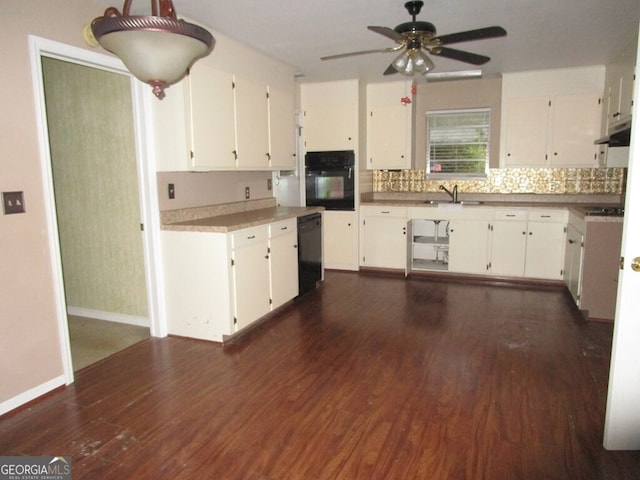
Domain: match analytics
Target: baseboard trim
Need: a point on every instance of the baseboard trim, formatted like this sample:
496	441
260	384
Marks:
31	394
109	316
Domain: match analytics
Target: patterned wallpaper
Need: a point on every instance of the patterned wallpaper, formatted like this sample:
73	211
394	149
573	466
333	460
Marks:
95	180
509	180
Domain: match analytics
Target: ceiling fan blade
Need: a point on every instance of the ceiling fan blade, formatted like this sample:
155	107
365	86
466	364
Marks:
388	32
466	57
479	34
390	70
363	52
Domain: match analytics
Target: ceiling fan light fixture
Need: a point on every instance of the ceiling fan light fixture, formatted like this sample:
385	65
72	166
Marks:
157	49
412	61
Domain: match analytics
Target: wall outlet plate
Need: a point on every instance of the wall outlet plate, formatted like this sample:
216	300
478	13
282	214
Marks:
171	191
13	202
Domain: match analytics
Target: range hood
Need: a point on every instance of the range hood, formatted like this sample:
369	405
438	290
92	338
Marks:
619	135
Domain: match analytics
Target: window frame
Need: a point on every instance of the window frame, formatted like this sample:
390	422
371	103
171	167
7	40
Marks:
449	175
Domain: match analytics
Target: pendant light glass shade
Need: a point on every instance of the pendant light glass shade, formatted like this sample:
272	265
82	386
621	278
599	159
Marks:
156	49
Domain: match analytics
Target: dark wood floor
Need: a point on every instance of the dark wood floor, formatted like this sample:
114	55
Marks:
368	377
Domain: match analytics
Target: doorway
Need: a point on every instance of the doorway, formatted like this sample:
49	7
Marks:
90	127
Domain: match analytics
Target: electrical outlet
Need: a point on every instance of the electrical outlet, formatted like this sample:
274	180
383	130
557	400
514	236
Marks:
247	193
13	202
171	191
269	184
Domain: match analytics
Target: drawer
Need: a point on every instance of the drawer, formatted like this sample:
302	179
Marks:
555	216
283	227
504	214
383	211
249	236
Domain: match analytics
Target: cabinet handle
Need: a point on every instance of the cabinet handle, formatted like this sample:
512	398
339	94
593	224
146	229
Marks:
545	216
571	242
235	154
251	237
530	233
524	233
283	228
268	156
385	211
511	215
267	257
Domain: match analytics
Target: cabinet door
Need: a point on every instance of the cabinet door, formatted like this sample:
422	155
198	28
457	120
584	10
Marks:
340	240
329	127
545	250
573	262
250	275
384	239
508	247
211	128
527	126
387	137
468	245
252	119
282	129
283	257
575	126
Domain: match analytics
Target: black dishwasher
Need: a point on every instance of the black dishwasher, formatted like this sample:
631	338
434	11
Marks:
309	252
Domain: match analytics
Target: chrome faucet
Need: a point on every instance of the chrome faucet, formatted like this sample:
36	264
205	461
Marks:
453	194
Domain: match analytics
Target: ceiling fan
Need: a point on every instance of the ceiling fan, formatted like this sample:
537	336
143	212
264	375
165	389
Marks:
417	38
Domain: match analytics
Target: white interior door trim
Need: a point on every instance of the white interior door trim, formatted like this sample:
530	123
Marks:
150	216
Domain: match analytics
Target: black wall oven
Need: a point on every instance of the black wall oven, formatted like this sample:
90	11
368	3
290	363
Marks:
330	179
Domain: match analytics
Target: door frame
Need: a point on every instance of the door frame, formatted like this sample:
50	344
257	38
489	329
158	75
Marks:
141	99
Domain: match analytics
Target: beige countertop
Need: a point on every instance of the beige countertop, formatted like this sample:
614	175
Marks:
579	208
231	217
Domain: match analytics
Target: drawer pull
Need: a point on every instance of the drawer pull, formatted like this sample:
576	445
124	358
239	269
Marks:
511	215
385	211
545	216
251	237
283	228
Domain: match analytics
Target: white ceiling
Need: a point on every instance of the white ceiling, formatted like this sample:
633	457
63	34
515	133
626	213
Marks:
541	33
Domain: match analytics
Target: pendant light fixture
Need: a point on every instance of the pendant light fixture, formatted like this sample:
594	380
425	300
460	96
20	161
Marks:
157	49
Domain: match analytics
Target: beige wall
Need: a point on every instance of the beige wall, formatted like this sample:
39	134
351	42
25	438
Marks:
473	93
29	347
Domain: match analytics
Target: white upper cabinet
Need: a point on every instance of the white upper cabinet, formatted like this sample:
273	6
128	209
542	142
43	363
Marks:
618	89
551	118
526	139
282	129
329	127
210	118
388	126
331	115
252	124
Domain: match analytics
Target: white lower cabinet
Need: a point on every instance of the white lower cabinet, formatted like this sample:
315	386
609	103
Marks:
250	270
283	261
340	240
218	283
528	243
482	240
509	242
546	233
383	237
574	249
468	244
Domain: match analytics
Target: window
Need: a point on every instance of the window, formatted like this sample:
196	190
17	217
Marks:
458	143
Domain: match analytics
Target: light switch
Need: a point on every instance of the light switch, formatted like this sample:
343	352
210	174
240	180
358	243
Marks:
13	202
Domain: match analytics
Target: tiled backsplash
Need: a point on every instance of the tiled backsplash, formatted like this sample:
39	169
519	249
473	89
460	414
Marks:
510	180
